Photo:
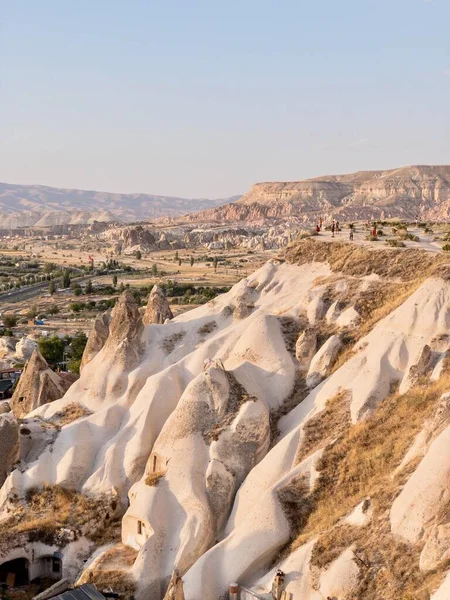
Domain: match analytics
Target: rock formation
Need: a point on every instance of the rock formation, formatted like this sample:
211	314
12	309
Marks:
158	309
305	347
323	360
37	385
25	348
96	339
9	444
409	193
226	467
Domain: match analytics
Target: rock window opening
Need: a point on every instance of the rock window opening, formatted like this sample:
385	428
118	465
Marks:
56	565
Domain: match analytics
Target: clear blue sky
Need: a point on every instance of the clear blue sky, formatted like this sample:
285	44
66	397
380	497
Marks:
205	97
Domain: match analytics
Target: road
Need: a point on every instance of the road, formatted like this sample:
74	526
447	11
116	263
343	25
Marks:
31	291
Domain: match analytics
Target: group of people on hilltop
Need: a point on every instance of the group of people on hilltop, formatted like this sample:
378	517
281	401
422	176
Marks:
335	228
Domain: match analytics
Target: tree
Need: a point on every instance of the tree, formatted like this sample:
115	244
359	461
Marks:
49	267
179	262
115	280
51	348
138	254
9	320
176	256
66	279
75	351
33	311
53	310
88	289
192	261
76	306
216	262
51	288
121	287
155	270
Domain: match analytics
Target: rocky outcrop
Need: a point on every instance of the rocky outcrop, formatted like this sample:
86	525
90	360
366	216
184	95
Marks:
25	348
9	444
37	385
406	192
97	338
305	347
158	308
228	468
323	360
254	237
125	330
7	346
131	239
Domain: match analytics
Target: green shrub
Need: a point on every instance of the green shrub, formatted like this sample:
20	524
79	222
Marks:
396	243
51	348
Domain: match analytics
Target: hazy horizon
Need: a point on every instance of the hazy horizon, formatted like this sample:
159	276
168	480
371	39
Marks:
203	100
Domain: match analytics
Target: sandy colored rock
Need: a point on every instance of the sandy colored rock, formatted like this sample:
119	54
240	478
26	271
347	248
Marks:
323	360
436	549
25	348
37	385
9	444
341	578
158	309
7	346
97	338
405	193
305	348
425	494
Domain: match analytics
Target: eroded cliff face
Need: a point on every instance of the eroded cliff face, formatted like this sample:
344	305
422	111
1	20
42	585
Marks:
299	422
410	192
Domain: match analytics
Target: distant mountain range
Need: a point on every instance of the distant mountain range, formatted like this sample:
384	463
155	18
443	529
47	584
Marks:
409	193
38	205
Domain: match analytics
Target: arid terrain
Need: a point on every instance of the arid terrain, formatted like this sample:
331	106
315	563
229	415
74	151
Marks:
297	422
409	193
188	405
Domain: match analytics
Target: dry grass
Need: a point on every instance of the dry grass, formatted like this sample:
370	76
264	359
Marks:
152	479
207	328
70	413
298	394
170	343
355	260
117	580
380	300
111	571
361	462
326	426
296	501
119	556
357	465
46	511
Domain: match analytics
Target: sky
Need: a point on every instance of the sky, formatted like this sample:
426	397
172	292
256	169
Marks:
203	98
